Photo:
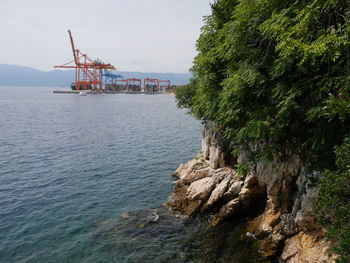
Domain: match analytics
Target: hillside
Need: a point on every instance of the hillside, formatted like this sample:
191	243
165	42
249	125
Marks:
13	75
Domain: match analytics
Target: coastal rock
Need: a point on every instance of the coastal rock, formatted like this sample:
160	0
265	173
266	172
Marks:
192	171
216	158
249	191
212	150
193	176
302	209
226	211
201	189
206	139
279	178
218	192
307	248
270	244
280	190
263	225
234	188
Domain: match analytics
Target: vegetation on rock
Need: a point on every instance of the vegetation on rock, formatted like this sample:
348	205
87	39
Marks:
334	201
277	72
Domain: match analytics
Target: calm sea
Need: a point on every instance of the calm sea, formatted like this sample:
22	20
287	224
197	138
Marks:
83	179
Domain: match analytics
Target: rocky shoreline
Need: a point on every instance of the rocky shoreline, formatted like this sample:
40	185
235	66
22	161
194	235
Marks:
278	197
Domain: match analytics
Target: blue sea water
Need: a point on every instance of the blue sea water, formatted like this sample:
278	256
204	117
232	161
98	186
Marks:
83	179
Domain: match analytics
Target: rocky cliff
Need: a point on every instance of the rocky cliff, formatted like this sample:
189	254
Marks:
277	195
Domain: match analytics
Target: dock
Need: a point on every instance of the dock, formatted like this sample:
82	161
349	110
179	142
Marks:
95	76
111	92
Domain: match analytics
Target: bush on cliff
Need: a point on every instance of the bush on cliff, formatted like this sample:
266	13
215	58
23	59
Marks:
183	95
275	71
334	201
278	71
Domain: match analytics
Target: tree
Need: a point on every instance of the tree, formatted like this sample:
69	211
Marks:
334	201
278	72
275	71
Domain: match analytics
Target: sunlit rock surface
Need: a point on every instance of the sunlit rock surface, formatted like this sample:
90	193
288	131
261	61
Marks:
280	189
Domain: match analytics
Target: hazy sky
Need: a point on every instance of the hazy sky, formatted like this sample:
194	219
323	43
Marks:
133	35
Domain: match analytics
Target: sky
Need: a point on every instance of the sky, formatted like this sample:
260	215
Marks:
133	35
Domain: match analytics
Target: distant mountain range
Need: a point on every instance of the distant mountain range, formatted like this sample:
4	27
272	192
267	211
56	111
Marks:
12	75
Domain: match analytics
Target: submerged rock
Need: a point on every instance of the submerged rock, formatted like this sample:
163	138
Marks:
158	235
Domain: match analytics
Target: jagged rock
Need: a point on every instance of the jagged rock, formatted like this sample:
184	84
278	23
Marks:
250	181
235	186
304	218
272	242
178	201
193	207
184	169
207	184
218	192
194	176
245	197
179	170
272	172
250	192
307	248
263	225
290	228
227	210
192	171
201	189
216	157
206	138
211	149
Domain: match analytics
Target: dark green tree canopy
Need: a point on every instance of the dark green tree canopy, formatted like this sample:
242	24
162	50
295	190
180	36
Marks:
275	71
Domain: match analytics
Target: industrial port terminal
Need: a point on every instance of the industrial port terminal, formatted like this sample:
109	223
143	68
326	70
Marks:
96	76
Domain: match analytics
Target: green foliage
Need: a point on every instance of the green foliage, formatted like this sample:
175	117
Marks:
183	95
242	169
334	201
275	71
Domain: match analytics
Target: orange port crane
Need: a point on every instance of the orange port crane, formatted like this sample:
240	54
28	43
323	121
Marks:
88	72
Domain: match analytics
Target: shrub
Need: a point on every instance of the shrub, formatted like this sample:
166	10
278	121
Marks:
275	71
334	201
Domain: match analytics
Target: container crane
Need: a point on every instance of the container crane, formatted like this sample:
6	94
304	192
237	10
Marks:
151	85
88	72
134	84
110	80
165	86
122	84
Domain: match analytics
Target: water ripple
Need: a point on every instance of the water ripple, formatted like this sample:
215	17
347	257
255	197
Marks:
68	161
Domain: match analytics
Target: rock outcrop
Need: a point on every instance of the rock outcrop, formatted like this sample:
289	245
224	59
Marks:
281	190
307	247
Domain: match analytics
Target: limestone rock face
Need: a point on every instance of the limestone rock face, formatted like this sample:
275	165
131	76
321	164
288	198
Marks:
219	190
307	248
212	151
200	187
210	184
